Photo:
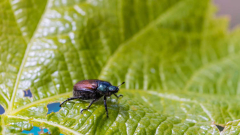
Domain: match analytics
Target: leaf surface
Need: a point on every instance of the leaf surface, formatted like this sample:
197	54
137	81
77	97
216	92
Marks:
179	62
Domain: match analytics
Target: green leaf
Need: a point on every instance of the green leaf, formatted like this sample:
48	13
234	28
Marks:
179	62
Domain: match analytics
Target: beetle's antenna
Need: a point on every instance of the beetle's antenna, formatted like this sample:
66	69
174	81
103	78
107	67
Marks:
121	84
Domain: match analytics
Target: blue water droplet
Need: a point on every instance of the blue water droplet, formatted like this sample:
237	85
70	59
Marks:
27	93
2	110
53	107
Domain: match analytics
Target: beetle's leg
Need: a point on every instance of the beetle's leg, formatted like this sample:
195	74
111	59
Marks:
105	104
89	105
72	98
118	95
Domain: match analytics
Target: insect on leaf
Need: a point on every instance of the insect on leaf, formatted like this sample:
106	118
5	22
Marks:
179	62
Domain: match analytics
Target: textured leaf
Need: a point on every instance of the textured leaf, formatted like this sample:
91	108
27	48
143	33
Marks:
179	62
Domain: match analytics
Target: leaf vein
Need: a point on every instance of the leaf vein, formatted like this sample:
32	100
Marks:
38	102
22	66
47	122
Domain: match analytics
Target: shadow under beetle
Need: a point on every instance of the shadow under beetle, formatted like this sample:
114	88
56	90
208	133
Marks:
93	90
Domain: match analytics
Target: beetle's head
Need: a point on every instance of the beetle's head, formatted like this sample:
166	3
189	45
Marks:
114	89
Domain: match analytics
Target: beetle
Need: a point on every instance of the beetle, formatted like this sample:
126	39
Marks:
93	90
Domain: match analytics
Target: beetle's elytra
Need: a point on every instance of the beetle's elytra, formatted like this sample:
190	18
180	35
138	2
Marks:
93	90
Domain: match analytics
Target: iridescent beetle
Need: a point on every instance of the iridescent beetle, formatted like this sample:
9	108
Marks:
93	90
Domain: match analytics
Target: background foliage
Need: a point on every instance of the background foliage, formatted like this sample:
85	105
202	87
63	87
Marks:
179	62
